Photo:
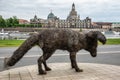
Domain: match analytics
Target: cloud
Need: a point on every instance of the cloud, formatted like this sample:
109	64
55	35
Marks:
98	10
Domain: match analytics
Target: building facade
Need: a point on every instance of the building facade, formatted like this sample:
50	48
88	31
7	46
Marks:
102	25
72	21
116	25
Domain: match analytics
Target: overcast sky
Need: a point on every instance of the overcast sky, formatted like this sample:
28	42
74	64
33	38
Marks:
98	10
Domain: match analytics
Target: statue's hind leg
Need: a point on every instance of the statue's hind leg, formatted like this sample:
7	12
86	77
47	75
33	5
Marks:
43	59
45	64
40	61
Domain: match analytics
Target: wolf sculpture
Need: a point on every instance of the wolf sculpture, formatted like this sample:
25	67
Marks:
49	40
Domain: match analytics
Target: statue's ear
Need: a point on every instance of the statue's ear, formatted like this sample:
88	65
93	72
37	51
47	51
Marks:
91	35
101	37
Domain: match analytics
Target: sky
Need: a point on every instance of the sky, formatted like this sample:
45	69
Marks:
97	10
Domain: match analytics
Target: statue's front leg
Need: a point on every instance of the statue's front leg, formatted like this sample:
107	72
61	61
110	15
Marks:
46	67
73	62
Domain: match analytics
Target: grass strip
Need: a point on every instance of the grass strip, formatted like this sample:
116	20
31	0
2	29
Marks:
14	43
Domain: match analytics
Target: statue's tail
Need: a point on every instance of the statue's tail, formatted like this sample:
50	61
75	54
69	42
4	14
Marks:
20	52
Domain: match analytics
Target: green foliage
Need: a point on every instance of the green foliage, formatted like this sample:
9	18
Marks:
27	25
80	29
10	22
2	22
14	22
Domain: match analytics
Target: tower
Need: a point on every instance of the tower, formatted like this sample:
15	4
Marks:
73	18
73	13
73	7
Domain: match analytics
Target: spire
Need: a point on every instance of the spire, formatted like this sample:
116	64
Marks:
35	17
73	6
51	10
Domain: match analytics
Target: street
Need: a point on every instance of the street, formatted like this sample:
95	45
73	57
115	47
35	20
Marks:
107	54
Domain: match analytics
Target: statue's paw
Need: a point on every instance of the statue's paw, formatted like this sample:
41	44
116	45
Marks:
5	63
48	69
42	72
79	70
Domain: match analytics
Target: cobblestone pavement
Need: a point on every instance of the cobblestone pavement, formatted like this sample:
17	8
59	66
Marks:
63	71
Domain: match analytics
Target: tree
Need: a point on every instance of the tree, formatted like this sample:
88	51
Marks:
12	21
2	22
80	29
15	20
9	22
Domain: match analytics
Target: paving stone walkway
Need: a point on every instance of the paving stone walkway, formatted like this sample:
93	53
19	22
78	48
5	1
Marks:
63	71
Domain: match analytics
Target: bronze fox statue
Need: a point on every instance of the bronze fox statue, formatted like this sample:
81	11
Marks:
49	40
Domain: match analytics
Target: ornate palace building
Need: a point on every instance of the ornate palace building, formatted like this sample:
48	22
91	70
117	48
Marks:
72	21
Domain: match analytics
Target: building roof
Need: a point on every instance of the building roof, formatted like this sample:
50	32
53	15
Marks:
50	15
23	21
115	22
103	23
